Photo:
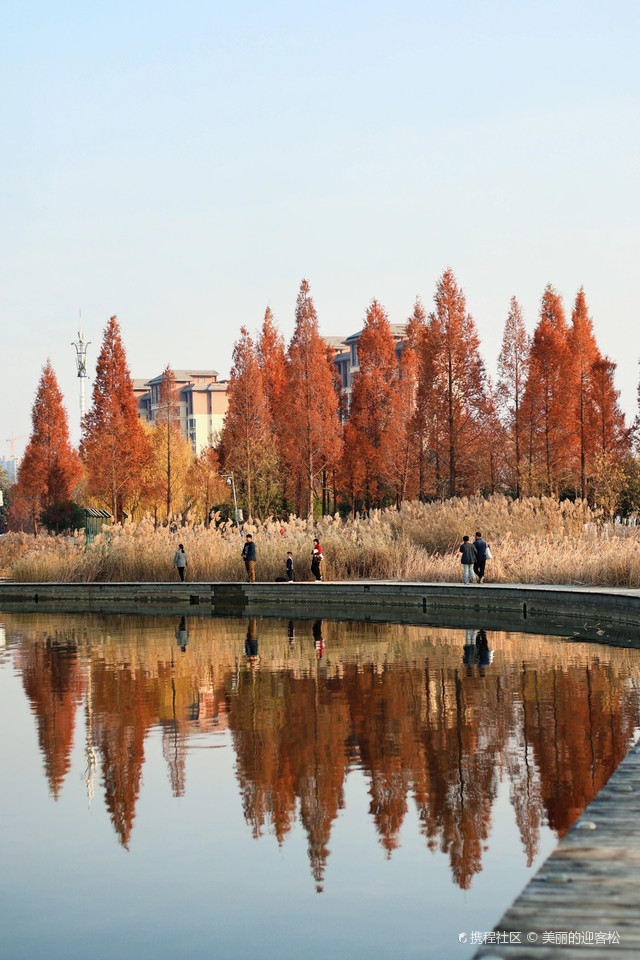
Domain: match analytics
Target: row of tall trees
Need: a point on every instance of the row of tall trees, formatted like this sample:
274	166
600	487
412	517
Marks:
421	421
123	465
560	410
282	432
428	422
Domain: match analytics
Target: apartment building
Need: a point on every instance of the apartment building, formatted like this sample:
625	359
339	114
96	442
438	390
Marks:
345	354
202	399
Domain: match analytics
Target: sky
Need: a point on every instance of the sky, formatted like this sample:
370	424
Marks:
184	166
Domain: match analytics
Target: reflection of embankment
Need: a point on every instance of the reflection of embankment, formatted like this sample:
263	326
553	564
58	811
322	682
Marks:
397	702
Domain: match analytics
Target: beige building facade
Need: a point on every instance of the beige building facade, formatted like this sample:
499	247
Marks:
202	399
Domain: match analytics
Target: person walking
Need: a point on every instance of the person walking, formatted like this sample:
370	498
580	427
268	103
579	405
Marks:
469	557
249	557
481	556
289	565
316	560
180	560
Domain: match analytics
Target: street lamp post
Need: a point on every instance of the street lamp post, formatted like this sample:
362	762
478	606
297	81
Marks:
231	482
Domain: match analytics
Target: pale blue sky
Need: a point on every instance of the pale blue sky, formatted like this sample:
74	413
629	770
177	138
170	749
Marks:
184	166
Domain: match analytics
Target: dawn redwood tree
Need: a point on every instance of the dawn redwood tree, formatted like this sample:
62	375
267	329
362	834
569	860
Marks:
311	434
416	333
246	435
114	447
272	362
513	368
452	391
584	354
548	399
50	468
371	410
273	366
400	455
608	433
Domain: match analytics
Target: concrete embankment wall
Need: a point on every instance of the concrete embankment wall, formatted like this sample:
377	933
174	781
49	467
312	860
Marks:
600	614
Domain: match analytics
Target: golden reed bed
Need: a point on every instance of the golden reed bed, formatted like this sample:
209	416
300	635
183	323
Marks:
533	541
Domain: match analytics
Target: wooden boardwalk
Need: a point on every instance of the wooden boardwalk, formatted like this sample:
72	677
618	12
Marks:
585	899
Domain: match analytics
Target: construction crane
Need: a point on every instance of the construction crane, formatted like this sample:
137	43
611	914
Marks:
12	441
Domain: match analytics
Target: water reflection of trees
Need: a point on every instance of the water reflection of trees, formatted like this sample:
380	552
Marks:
397	702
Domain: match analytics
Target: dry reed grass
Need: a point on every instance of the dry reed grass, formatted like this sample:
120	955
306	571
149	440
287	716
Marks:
532	540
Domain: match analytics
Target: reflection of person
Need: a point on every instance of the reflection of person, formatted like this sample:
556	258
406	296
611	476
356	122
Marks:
316	560
485	656
182	635
481	556
318	639
469	557
289	565
249	557
470	654
291	633
251	643
476	651
180	560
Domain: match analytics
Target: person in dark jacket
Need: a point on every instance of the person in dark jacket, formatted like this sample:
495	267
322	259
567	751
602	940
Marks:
249	557
289	565
469	557
481	558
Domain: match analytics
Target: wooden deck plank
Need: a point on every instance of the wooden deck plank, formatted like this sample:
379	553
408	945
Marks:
590	884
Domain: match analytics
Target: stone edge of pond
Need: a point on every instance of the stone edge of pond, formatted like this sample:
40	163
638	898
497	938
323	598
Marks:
598	614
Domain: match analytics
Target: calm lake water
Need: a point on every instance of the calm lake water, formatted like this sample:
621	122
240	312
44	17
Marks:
241	788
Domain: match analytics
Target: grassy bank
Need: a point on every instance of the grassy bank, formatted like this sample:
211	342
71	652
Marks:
532	540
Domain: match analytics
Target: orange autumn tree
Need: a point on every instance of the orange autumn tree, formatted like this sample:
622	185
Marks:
246	445
609	434
311	436
513	367
548	400
114	447
417	426
368	431
272	362
610	439
400	456
273	366
452	393
584	353
50	468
